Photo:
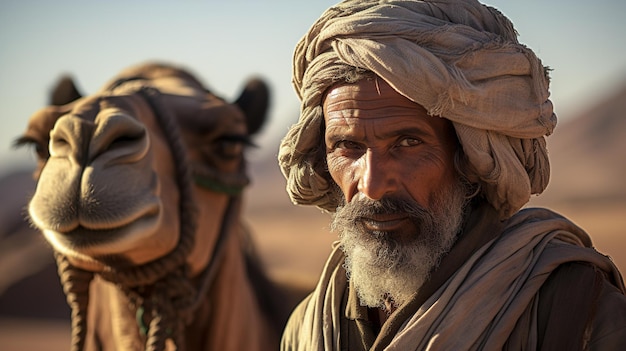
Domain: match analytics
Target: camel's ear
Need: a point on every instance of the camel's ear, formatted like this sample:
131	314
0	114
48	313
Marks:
64	92
254	101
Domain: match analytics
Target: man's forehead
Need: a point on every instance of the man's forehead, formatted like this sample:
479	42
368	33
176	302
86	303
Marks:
367	98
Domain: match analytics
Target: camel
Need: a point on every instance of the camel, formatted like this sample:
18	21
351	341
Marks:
139	191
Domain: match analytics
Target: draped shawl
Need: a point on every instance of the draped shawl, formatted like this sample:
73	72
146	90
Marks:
460	60
480	306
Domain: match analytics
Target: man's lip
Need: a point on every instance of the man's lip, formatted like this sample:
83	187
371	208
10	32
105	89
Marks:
383	222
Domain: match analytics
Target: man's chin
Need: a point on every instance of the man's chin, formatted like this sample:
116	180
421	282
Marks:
376	289
379	273
387	267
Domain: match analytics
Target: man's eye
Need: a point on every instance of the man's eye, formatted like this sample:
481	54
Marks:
347	144
409	142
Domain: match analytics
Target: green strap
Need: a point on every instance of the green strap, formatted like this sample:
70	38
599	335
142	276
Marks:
212	184
143	328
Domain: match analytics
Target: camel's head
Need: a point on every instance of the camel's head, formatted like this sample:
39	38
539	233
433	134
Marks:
113	167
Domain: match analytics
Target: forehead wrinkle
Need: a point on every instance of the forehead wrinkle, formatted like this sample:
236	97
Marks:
371	113
352	101
342	98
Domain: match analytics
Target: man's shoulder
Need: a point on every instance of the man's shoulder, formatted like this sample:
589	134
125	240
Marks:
536	214
579	302
609	323
534	220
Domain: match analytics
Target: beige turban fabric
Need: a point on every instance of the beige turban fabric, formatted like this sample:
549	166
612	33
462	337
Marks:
459	59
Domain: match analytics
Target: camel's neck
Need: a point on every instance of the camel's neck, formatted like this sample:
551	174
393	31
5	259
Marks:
230	317
228	308
227	318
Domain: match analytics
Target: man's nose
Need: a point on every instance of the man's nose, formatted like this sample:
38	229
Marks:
378	176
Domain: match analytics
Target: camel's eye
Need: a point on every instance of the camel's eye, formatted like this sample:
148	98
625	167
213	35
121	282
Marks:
40	148
231	146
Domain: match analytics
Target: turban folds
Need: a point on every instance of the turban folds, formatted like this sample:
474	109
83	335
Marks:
460	60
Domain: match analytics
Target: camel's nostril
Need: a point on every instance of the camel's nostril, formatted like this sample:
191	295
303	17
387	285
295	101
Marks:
60	147
68	137
125	141
119	138
59	143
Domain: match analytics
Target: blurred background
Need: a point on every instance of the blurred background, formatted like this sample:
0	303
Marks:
226	42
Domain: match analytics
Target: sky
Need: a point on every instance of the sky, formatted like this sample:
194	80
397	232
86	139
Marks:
226	42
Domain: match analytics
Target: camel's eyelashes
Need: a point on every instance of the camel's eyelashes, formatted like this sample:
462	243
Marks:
232	146
40	148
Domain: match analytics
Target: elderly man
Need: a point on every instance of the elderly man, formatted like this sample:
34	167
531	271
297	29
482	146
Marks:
422	128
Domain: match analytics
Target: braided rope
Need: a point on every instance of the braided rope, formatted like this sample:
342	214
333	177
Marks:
75	283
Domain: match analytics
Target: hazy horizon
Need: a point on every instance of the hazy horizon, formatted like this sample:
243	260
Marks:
224	43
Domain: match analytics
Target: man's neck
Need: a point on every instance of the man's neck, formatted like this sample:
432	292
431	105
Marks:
378	316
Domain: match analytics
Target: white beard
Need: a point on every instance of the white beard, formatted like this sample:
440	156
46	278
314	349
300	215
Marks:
385	270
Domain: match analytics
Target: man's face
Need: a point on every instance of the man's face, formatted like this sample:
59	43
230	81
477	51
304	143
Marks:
403	199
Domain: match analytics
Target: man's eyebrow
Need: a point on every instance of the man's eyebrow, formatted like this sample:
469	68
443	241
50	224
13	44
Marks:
423	131
340	132
337	133
338	137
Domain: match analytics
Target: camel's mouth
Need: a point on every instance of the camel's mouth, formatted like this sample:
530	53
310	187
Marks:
86	237
94	243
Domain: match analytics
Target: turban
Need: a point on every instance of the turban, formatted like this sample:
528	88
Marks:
460	60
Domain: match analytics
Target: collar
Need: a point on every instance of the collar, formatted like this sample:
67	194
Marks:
354	309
